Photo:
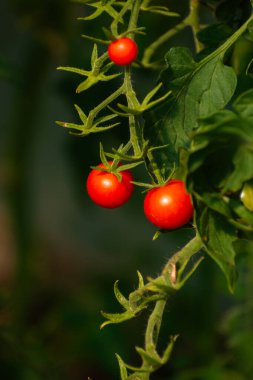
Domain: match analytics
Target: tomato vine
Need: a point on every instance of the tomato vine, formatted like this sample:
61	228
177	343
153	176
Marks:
193	116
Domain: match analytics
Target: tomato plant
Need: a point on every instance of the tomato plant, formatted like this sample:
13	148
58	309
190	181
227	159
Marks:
123	51
168	206
194	124
107	190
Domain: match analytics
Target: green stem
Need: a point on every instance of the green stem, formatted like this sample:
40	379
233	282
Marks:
194	22
181	258
134	124
134	17
132	101
174	267
153	169
185	253
227	44
154	325
115	23
151	49
191	20
99	63
93	113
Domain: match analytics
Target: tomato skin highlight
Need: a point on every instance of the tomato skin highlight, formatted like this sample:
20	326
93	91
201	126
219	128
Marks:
168	207
106	190
123	51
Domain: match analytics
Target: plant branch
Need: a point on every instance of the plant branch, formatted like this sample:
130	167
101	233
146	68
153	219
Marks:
192	20
134	124
151	359
134	17
114	25
151	49
154	325
132	101
93	113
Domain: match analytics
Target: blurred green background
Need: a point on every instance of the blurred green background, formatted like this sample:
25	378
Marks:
59	253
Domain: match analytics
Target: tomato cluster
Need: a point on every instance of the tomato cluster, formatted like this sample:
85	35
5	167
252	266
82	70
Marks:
167	207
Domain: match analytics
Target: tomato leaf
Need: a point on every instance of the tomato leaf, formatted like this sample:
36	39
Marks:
218	237
219	165
243	246
198	89
123	369
226	134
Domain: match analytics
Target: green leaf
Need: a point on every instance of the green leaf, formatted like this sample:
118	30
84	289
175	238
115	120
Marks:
198	89
216	202
97	72
90	81
160	10
218	237
146	103
129	166
243	247
169	348
101	7
244	105
89	125
113	318
152	360
152	93
221	155
73	126
94	55
141	280
122	366
74	70
96	40
244	214
103	119
120	298
220	166
81	114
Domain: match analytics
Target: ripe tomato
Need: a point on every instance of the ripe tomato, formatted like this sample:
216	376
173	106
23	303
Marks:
106	190
123	51
168	207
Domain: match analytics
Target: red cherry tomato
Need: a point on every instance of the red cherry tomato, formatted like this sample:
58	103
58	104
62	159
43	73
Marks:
106	190
123	51
168	207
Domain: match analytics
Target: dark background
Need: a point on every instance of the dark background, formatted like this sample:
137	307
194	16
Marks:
59	253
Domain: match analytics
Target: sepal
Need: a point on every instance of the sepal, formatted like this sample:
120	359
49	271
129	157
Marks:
100	8
146	104
89	125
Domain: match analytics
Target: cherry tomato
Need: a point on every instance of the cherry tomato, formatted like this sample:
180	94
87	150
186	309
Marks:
123	51
247	195
168	207
106	190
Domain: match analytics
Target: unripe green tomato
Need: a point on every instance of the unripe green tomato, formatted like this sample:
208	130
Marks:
247	195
